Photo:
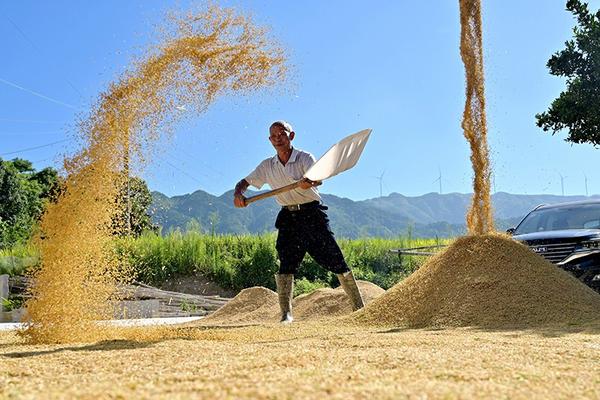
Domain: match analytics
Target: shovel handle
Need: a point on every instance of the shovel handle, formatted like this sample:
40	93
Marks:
271	193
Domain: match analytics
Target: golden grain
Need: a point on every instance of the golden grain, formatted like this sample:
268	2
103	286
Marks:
485	281
479	216
259	305
203	56
310	361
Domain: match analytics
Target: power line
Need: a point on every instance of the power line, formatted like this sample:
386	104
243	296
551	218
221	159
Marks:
36	48
182	171
42	160
33	121
38	94
35	148
197	159
30	133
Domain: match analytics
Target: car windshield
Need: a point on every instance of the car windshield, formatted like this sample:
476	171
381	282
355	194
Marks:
581	216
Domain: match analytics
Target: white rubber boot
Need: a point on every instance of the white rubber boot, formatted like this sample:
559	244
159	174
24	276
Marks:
285	291
351	288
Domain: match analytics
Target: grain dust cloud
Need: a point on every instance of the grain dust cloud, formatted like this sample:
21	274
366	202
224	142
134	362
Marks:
479	216
200	57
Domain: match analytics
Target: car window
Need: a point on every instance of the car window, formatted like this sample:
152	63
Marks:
594	224
578	216
532	223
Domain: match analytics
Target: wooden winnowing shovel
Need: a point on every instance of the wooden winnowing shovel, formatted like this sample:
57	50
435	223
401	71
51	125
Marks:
340	157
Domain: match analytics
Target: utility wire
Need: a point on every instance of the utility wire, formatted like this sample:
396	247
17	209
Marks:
33	121
39	51
35	148
196	158
182	171
62	103
30	133
45	159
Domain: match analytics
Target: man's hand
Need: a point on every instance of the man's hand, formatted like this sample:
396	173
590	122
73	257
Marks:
306	183
238	194
239	200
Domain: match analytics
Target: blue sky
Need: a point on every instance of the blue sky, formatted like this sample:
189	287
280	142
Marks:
393	66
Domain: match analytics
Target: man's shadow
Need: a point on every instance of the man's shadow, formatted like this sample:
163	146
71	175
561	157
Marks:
105	345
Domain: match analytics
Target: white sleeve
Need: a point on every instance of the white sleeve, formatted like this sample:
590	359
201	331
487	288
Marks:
308	162
258	177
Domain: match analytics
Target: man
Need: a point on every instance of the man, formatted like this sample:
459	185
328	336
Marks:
302	222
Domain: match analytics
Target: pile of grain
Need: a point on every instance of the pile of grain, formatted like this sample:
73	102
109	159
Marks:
260	305
487	281
328	302
253	305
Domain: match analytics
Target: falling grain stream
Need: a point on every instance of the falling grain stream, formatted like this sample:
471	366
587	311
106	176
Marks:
479	216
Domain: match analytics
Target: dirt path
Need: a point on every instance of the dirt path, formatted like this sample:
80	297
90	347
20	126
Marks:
309	361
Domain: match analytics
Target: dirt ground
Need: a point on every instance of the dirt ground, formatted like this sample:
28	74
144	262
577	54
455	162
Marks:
309	360
195	284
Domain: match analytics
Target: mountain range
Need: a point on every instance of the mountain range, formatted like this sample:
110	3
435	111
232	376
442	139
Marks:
429	215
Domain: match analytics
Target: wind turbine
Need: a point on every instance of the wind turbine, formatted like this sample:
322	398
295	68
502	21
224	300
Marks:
562	183
586	187
380	178
439	179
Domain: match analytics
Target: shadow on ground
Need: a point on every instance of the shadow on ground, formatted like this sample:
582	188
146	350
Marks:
106	345
545	331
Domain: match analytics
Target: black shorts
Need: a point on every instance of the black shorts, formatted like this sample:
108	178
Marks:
307	230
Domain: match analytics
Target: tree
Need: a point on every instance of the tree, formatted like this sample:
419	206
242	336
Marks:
23	194
22	165
578	107
135	208
51	183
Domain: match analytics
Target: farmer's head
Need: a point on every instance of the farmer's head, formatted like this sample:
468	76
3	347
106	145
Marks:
281	134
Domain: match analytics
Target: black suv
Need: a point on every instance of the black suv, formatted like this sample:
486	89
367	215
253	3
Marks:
566	234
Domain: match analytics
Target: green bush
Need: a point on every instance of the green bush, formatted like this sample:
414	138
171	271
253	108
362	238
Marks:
304	286
257	266
240	261
18	259
12	303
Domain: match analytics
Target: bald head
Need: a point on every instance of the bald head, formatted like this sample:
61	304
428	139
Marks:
284	124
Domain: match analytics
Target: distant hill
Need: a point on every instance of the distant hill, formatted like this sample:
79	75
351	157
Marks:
428	215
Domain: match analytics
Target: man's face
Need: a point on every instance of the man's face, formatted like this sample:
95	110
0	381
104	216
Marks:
279	137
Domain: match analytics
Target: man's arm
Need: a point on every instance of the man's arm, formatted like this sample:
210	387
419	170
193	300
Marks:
308	162
307	183
238	195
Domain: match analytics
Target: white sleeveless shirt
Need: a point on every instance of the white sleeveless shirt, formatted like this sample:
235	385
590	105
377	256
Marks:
272	172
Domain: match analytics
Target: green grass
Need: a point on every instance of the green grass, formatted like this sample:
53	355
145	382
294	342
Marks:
18	259
371	259
240	261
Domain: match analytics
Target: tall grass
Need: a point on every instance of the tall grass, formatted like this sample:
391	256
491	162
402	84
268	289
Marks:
230	260
239	261
371	259
18	259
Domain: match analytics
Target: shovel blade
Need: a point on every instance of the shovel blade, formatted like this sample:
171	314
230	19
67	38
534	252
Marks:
340	157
